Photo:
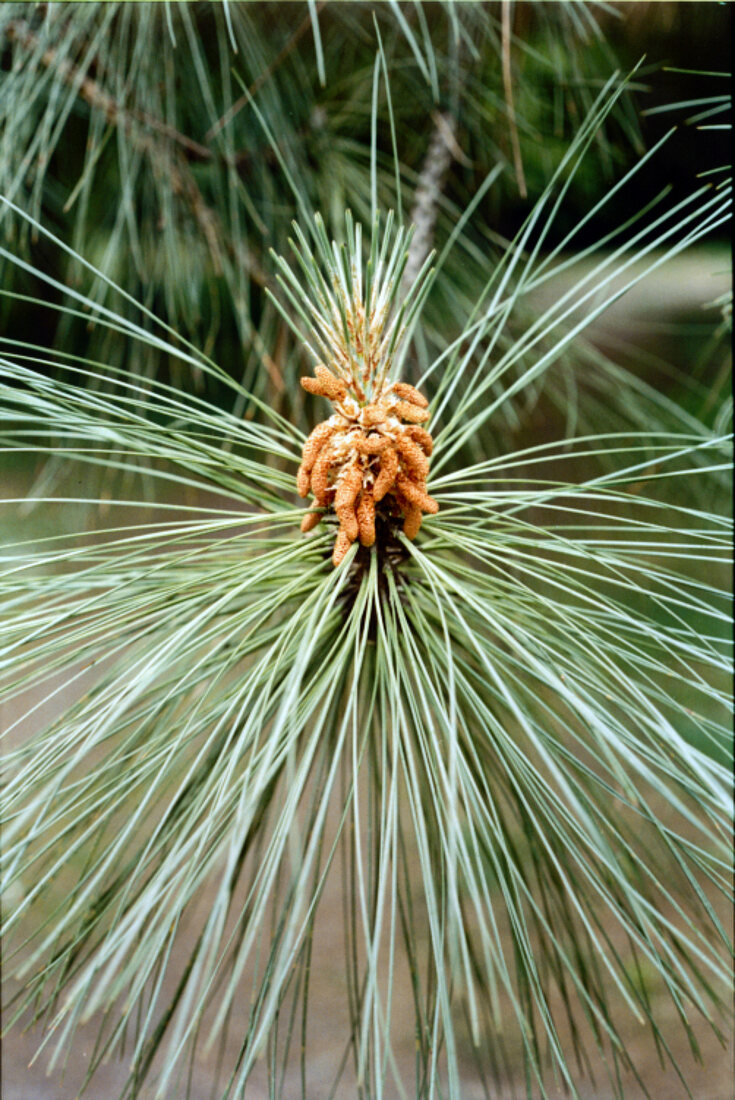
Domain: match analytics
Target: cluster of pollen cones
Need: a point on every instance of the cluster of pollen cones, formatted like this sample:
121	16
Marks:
364	454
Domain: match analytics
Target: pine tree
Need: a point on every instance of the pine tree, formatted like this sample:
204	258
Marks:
482	692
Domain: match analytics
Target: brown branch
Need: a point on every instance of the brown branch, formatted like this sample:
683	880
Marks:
172	162
95	95
258	83
508	86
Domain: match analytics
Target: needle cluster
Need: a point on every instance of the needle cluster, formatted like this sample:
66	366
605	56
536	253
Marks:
373	452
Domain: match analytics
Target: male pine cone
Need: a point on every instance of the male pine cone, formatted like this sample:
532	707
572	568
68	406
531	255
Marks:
365	456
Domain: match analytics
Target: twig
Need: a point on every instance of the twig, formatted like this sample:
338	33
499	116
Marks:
443	148
259	81
174	164
95	95
508	86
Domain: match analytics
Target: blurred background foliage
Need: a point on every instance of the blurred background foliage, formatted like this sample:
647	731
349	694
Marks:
175	169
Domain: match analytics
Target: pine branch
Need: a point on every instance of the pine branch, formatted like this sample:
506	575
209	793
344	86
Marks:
163	159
